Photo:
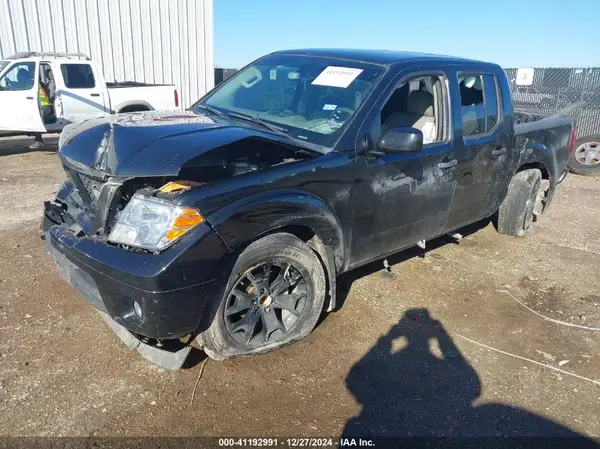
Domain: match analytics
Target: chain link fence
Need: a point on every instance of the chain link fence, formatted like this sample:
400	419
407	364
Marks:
550	90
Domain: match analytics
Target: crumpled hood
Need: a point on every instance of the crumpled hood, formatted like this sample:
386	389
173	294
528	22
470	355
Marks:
153	143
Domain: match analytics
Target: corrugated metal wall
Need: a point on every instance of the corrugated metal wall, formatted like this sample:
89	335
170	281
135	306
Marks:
152	41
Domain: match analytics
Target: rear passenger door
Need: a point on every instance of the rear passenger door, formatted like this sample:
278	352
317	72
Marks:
80	95
482	149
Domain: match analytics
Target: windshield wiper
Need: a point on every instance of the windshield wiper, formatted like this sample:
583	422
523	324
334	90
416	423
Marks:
212	110
249	118
258	121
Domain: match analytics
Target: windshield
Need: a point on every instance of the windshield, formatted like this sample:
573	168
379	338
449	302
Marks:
310	98
3	64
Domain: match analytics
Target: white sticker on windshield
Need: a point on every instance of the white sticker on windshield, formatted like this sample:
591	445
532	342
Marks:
337	76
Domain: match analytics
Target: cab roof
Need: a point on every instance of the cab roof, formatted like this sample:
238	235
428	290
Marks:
385	57
47	55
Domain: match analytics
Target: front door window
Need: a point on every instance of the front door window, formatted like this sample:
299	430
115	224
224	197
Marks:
19	77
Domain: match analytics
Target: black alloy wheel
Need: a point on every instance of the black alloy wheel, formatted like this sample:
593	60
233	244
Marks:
265	303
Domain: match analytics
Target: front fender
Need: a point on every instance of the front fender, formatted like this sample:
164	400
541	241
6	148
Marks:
250	217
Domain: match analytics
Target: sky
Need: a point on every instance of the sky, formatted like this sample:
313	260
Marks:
525	33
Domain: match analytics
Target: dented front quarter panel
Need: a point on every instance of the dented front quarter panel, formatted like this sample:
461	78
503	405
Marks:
313	194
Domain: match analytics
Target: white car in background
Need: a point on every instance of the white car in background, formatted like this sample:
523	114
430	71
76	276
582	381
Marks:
77	92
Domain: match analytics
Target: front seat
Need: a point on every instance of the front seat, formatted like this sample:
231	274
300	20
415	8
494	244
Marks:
24	79
419	115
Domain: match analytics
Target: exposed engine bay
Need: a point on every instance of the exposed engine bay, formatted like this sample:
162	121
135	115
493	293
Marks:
92	203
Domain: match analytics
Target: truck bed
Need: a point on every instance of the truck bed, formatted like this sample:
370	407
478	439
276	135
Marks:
552	136
150	96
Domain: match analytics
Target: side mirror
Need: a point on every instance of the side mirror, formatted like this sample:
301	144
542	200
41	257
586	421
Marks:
401	140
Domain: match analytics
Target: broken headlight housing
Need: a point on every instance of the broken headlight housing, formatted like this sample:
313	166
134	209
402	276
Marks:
152	224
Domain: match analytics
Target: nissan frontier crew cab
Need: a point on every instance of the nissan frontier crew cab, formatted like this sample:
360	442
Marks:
230	222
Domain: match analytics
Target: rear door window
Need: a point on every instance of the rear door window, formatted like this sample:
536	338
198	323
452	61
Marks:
78	76
480	104
491	99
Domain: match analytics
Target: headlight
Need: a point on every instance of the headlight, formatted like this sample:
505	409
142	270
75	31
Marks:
153	224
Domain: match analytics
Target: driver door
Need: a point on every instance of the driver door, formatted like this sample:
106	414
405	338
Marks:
405	197
20	109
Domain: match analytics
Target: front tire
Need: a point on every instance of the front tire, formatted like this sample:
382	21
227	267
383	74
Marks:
273	297
516	213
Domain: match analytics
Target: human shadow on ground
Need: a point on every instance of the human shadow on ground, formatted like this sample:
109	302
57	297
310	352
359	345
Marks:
415	382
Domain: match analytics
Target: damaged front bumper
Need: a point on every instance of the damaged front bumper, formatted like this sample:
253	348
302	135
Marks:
143	296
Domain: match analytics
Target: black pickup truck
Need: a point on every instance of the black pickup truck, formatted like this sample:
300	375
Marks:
230	222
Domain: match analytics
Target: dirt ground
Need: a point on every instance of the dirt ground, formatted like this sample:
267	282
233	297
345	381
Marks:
457	344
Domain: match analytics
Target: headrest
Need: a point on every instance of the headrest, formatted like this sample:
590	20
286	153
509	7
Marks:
420	103
23	75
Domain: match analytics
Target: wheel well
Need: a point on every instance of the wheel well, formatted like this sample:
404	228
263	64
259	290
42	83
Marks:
541	167
134	108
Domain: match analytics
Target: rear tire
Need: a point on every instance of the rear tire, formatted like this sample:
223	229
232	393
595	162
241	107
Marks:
579	167
254	314
516	213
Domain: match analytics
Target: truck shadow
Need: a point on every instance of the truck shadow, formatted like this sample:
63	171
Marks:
415	382
11	145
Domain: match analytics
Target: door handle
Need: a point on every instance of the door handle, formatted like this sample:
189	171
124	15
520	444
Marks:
94	95
448	164
499	152
29	98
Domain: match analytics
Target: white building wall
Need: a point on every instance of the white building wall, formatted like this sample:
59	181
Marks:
151	41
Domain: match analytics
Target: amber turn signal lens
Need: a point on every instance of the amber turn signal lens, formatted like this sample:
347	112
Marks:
185	221
174	234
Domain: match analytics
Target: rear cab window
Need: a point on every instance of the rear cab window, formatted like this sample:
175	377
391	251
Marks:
480	103
78	76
